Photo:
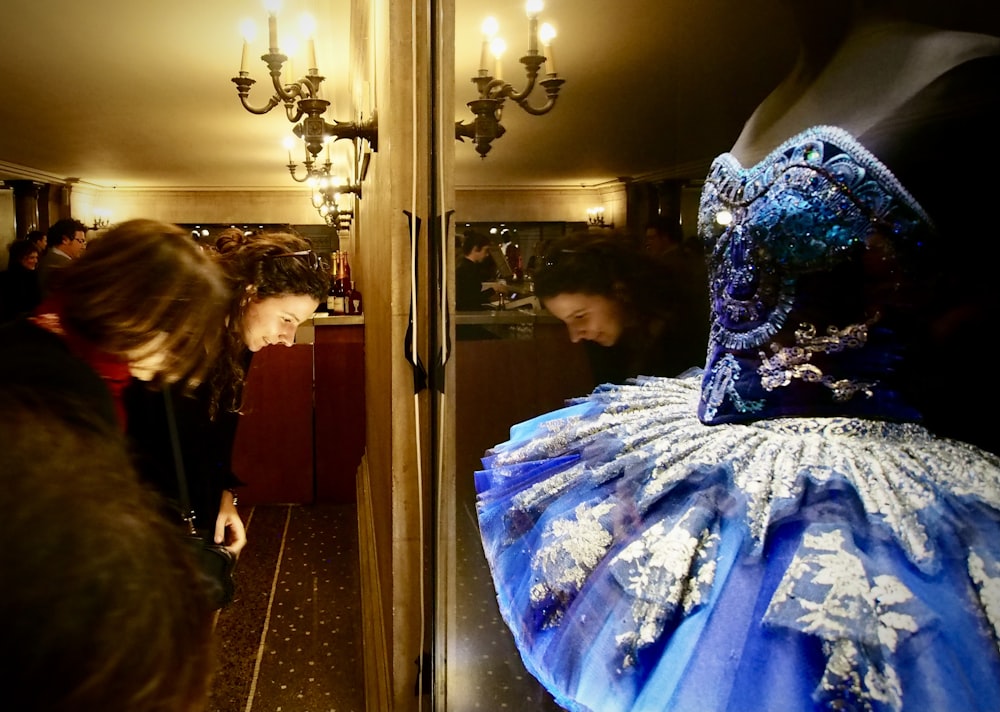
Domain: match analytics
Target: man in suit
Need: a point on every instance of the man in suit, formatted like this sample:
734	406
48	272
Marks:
67	240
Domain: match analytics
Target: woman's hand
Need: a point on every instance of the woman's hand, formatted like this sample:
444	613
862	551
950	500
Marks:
229	529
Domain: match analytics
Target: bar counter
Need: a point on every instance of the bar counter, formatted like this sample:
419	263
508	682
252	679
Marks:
301	434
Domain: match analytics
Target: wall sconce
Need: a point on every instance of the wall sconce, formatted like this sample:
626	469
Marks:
493	90
595	218
301	97
102	218
326	192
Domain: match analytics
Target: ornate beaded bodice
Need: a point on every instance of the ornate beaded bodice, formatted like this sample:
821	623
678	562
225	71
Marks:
812	257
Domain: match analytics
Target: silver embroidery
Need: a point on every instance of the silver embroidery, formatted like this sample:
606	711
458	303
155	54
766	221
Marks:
573	547
667	572
795	362
985	572
827	592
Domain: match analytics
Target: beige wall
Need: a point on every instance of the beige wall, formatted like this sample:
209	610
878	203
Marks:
539	204
292	205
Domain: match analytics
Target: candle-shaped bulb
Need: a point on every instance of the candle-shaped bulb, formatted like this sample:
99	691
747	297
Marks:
489	30
533	7
288	142
547	33
497	48
248	30
272	7
308	26
291	50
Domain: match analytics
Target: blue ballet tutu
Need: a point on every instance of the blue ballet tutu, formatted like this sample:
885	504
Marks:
646	561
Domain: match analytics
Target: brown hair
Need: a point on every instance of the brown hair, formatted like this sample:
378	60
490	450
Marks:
257	267
101	608
19	249
145	286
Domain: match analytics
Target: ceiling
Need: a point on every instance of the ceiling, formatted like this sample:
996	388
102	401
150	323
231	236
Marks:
138	94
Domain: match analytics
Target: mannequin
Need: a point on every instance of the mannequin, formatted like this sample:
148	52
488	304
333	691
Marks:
813	521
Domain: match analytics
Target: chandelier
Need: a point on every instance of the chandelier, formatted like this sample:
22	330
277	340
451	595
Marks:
326	192
102	219
301	98
494	91
595	217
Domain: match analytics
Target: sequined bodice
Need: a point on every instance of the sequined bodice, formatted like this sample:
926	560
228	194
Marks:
808	251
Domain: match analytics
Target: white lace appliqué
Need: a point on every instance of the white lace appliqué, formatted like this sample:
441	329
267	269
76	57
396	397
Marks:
573	547
862	619
667	573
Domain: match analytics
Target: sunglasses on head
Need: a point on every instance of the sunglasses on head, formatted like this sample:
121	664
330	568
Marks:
312	259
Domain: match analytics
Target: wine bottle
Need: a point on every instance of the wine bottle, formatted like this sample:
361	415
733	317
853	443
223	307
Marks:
335	301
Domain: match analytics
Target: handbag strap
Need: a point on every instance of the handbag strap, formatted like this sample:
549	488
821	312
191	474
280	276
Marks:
187	513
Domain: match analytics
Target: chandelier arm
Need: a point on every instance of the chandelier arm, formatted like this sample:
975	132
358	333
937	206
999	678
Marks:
293	117
532	62
552	87
519	96
273	102
243	83
538	110
293	167
288	92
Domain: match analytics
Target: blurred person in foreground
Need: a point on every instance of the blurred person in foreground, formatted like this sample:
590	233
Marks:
142	302
98	606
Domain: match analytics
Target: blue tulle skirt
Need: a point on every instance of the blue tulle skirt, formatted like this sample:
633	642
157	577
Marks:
644	561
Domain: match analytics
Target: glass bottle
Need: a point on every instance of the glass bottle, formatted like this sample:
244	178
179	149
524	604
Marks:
335	301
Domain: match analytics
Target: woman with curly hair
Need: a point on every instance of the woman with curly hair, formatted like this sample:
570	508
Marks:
275	283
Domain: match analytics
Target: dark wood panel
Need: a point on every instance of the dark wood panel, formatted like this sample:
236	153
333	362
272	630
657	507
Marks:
340	410
273	452
501	382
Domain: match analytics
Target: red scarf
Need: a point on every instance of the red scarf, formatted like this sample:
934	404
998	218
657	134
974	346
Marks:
113	369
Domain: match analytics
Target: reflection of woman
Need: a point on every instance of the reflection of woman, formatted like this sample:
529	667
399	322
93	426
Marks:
782	532
276	283
635	315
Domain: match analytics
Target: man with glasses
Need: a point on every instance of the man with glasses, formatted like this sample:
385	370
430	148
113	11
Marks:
67	240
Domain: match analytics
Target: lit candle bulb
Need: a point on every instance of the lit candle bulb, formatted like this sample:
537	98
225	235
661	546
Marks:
272	33
272	7
291	49
308	25
497	47
248	30
489	29
289	142
533	7
547	34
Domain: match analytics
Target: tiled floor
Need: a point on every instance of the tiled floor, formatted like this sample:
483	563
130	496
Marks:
291	641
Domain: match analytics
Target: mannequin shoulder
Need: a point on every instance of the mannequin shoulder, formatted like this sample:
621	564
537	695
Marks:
876	70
